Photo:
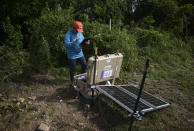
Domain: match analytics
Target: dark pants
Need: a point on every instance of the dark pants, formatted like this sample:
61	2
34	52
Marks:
72	66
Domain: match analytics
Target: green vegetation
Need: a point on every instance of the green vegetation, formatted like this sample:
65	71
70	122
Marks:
33	33
31	43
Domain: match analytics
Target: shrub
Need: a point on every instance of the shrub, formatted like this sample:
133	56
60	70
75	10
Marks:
48	36
111	41
13	58
161	47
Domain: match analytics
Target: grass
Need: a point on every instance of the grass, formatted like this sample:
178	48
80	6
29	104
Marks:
31	108
175	84
51	112
27	122
116	118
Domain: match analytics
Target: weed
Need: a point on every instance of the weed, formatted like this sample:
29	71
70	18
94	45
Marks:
51	112
27	122
31	108
13	108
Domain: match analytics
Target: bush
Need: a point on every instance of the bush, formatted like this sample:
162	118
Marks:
47	34
111	41
161	47
13	58
40	55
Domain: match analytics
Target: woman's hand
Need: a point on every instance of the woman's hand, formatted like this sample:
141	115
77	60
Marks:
78	38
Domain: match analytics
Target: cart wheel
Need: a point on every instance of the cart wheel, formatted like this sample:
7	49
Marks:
89	94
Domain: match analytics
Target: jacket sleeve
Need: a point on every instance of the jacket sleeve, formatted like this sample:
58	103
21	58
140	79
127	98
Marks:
67	41
80	35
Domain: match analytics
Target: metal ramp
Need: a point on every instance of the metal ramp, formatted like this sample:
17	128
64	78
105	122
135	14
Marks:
126	96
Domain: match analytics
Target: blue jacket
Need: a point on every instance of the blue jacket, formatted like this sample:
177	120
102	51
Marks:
73	46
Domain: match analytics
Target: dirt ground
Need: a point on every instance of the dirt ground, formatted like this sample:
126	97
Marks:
58	108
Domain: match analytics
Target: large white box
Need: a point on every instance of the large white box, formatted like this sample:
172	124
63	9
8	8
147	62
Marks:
107	68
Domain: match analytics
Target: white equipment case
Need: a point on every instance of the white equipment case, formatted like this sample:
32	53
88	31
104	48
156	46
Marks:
107	68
